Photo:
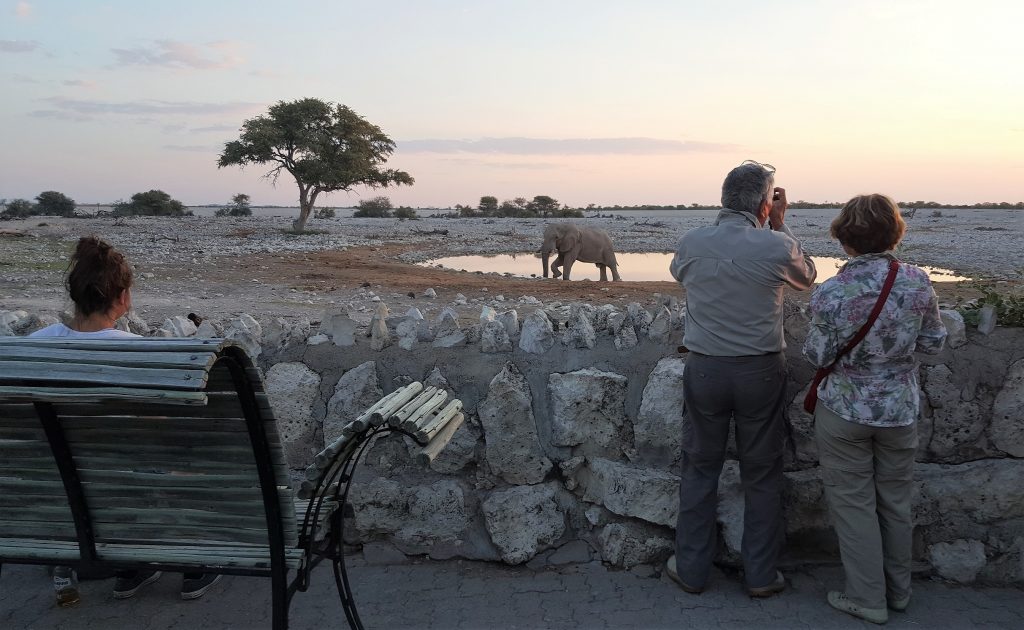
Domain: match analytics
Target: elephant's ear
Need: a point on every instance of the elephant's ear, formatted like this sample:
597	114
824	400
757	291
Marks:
570	240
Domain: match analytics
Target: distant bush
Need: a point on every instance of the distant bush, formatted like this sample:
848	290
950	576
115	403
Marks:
324	213
55	203
404	212
239	207
18	209
374	208
155	203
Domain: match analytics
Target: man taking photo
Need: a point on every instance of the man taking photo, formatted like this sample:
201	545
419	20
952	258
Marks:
734	273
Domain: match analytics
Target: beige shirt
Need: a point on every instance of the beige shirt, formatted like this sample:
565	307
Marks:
734	272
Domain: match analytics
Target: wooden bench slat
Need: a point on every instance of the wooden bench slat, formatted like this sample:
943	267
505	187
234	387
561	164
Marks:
139	532
101	394
224	556
167	360
185	379
58	529
165	423
141	344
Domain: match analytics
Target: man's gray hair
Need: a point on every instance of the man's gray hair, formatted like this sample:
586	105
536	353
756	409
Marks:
747	186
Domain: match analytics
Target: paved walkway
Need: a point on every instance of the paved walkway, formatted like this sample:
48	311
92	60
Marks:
454	594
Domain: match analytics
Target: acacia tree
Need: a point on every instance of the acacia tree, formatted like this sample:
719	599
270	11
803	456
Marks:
326	147
55	203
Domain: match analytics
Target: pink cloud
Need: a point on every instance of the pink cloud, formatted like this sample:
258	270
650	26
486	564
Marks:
172	54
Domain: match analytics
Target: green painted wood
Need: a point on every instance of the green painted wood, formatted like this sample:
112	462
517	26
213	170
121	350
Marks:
166	360
139	532
100	394
162	423
142	344
65	373
63	530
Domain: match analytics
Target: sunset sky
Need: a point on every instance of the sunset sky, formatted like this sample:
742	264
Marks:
584	100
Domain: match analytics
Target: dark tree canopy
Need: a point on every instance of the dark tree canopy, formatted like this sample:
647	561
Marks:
325	146
488	204
18	209
55	203
153	203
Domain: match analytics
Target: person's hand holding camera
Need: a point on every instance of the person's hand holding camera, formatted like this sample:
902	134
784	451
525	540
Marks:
777	215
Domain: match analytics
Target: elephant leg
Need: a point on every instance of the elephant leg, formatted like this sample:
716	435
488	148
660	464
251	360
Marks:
604	272
569	260
615	273
555	266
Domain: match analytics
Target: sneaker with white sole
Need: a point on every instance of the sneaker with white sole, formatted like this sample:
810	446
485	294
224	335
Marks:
194	588
841	602
670	569
128	584
774	588
900	604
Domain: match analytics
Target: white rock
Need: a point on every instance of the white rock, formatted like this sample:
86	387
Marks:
588	407
430	293
414	313
529	299
523	521
293	390
510	431
380	336
986	319
510	319
208	330
629	544
487	314
960	560
661	327
179	326
342	329
658	426
579	332
316	340
356	391
494	338
537	335
626	338
1007	430
644	493
247	332
955	327
460	300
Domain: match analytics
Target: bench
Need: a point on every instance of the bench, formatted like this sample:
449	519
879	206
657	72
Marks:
164	454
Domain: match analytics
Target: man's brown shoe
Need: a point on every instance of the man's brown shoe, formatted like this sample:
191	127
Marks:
670	569
774	588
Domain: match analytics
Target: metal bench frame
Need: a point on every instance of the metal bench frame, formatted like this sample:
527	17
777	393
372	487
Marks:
321	532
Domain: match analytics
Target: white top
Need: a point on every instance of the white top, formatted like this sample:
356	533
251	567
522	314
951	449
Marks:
60	330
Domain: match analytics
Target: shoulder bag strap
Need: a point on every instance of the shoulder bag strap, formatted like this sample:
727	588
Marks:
894	266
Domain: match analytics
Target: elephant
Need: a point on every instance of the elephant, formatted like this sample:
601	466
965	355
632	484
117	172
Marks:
577	243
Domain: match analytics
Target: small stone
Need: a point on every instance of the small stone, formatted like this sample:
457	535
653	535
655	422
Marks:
316	340
626	338
179	326
430	293
460	300
510	319
494	338
661	327
487	314
987	319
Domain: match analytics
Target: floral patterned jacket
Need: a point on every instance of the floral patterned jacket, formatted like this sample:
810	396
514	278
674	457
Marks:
876	382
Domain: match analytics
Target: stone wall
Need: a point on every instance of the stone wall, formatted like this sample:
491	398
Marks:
571	446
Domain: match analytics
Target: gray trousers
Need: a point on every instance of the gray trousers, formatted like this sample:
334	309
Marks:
718	391
868	474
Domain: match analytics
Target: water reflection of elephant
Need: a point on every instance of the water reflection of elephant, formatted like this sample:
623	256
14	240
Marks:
574	243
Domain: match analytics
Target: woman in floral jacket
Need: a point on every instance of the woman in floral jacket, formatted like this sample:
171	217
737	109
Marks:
867	410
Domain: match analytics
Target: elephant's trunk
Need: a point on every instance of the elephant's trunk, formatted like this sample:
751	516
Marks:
545	254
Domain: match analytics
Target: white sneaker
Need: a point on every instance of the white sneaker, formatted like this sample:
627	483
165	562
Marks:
840	601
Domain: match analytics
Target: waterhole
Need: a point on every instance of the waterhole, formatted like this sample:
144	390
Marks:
650	267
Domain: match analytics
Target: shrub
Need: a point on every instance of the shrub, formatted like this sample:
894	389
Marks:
375	207
1009	307
404	212
55	203
324	213
155	203
239	207
18	209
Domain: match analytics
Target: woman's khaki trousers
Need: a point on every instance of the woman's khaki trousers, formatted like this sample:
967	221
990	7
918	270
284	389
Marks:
868	475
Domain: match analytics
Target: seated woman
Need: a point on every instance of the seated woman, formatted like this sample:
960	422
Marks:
99	282
867	409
